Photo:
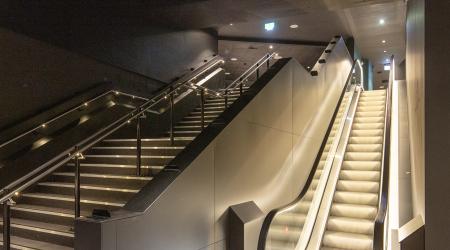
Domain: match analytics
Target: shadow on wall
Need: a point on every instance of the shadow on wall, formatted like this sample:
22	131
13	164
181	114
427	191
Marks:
45	75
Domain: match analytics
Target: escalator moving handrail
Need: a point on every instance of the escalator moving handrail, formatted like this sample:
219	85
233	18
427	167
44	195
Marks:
378	234
270	216
41	171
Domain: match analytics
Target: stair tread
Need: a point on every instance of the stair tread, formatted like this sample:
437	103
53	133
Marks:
130	177
70	198
29	244
87	186
109	165
52	210
46	227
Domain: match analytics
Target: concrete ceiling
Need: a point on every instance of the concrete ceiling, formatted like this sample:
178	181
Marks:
318	20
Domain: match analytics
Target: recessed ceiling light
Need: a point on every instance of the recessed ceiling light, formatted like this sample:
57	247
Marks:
233	59
227	73
293	26
308	67
269	26
271	47
384	41
381	21
385	51
231	24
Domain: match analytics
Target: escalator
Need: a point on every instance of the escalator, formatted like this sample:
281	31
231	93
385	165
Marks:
343	204
98	176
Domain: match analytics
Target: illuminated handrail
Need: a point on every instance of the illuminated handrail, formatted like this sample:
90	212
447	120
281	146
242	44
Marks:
83	104
378	233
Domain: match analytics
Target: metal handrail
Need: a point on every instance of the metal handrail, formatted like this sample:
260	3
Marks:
138	112
271	215
76	152
378	235
85	103
244	76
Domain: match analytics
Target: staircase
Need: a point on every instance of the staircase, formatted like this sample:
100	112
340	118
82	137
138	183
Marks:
286	227
43	217
351	220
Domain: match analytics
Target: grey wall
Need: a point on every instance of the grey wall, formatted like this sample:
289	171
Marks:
437	120
159	53
137	59
427	77
415	78
265	154
35	75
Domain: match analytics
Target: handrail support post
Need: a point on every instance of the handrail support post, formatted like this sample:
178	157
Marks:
138	146
172	139
240	86
226	98
257	71
7	224
77	194
202	96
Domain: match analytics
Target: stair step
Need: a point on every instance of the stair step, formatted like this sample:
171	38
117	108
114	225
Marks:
116	169
371	103
365	140
284	233
289	219
350	225
89	190
378	125
366	132
67	201
42	231
20	243
163	141
360	119
354	211
364	147
362	156
369	114
118	181
347	240
362	165
45	213
358	186
356	198
354	175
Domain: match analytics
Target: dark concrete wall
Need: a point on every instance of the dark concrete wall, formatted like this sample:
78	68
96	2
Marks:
437	124
35	75
139	60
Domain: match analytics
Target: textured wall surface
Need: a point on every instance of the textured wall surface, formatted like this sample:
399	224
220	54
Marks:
415	78
437	120
35	75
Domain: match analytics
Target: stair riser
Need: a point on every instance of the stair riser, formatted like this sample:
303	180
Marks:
117	183
186	133
143	143
65	204
92	194
113	151
127	161
67	221
113	170
41	236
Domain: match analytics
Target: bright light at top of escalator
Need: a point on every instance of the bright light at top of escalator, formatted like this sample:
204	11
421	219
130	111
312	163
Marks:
269	26
381	21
